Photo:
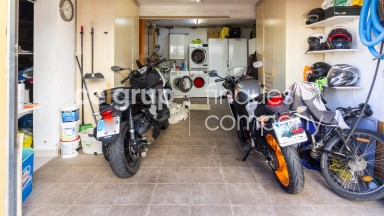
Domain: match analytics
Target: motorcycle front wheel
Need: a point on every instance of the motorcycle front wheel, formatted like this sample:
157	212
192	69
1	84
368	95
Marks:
123	161
360	176
286	165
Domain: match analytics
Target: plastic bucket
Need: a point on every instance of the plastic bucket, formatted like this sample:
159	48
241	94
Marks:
69	131
70	113
68	148
89	144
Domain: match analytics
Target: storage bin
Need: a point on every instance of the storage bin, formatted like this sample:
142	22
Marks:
70	113
89	144
27	172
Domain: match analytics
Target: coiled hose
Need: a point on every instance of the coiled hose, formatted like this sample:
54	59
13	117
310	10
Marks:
368	26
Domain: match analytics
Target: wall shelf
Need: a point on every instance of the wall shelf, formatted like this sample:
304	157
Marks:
346	87
335	51
336	20
28	110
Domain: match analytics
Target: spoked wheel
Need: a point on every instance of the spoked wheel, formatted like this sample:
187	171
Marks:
286	166
359	175
124	160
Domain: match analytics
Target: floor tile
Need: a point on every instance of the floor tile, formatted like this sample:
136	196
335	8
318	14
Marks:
172	194
49	174
239	175
232	161
294	210
79	175
87	210
157	150
211	210
168	210
38	190
204	161
175	175
265	175
44	210
92	161
337	210
203	150
371	210
134	194
279	197
60	195
123	210
98	194
257	210
144	176
233	149
209	194
317	194
176	161
152	161
106	175
246	195
61	162
179	150
206	175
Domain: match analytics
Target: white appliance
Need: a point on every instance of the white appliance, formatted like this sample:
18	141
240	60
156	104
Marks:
225	54
198	57
200	80
181	83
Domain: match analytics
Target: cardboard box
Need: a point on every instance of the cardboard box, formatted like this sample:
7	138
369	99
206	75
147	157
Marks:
212	33
342	11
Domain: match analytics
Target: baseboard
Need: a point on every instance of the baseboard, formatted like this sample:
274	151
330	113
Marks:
46	153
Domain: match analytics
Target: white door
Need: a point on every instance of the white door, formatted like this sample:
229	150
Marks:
218	60
238	52
176	46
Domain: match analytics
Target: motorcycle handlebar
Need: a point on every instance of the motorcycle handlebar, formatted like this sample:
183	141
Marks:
135	72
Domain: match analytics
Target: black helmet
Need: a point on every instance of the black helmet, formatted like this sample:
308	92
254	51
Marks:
319	70
342	75
339	38
315	15
317	42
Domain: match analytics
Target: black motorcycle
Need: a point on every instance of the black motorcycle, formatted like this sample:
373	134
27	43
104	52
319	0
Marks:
132	117
265	124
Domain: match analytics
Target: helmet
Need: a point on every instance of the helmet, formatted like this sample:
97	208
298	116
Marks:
342	75
319	70
339	38
317	42
315	15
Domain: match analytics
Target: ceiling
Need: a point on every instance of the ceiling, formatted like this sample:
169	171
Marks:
193	2
204	22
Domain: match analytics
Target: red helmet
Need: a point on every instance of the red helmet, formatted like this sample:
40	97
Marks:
339	38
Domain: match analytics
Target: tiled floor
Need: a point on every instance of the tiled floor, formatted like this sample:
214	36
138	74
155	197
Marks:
182	175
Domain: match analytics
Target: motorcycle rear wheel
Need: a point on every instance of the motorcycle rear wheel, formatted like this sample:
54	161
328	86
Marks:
286	166
121	159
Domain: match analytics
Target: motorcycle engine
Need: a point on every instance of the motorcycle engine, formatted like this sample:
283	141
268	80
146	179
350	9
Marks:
144	128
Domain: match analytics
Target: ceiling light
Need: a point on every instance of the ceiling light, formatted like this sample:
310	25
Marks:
199	1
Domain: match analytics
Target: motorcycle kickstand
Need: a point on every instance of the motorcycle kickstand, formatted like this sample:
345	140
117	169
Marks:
246	155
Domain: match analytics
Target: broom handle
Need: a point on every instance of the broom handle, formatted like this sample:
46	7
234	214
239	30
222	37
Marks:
82	66
92	33
86	89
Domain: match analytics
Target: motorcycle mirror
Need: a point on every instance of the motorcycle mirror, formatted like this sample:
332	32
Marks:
258	64
301	109
116	68
213	73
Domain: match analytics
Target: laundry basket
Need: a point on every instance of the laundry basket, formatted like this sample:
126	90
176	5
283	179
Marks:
89	144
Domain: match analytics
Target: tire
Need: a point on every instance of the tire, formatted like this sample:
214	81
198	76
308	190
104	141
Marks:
165	126
339	179
287	166
121	165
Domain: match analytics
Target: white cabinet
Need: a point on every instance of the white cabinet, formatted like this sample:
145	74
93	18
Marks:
176	46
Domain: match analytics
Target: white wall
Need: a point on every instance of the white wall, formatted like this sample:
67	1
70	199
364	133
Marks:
199	33
54	73
363	61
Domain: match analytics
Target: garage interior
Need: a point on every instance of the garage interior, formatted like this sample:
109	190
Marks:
191	169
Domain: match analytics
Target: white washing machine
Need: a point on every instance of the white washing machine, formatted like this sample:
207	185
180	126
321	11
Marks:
198	57
181	83
200	81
